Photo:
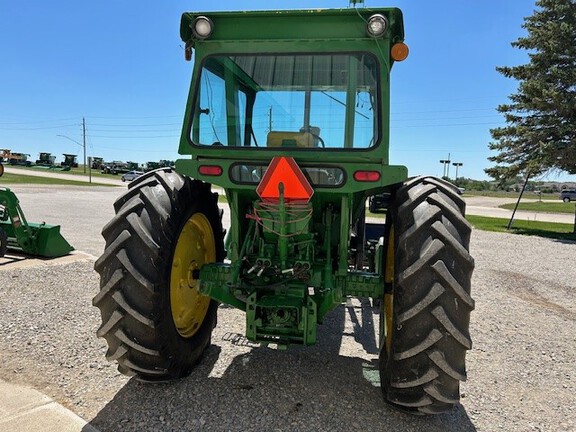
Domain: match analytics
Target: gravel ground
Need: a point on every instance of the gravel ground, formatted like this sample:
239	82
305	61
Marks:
521	370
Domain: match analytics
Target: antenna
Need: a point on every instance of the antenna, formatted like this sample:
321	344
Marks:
353	3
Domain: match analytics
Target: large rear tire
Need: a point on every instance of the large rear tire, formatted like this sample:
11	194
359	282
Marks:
156	323
425	314
3	242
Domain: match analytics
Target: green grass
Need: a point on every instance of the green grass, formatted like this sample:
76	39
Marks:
558	231
511	195
380	215
544	206
95	172
74	171
12	179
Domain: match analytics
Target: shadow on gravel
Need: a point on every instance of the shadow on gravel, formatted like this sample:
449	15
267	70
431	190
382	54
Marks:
315	388
561	237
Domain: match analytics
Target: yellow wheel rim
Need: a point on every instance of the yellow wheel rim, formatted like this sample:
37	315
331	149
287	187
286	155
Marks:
194	248
389	297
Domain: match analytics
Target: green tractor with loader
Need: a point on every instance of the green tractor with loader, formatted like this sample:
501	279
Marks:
29	238
288	114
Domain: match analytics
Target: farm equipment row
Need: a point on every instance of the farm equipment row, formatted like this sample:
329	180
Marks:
45	159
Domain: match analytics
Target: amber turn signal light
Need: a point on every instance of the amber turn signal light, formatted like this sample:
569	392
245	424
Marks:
399	51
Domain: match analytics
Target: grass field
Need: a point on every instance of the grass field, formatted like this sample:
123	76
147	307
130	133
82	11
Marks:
74	171
512	195
557	231
11	179
552	230
95	172
544	206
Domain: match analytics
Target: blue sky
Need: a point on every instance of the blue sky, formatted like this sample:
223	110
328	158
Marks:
120	64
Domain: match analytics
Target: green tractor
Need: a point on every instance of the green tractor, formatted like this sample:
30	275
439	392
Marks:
30	238
288	114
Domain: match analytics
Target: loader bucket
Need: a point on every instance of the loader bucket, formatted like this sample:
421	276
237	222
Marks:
49	241
40	239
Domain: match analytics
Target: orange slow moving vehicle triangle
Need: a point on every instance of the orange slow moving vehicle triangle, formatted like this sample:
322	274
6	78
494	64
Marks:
285	170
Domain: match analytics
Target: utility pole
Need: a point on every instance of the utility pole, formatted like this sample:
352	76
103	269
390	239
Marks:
457	164
84	141
443	162
82	144
446	162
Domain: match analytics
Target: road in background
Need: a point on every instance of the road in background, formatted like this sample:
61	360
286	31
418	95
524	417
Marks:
475	205
62	175
82	211
489	206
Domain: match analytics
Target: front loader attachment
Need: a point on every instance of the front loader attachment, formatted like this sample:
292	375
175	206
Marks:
38	239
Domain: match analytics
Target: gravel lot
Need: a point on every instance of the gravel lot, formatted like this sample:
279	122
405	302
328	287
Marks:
521	370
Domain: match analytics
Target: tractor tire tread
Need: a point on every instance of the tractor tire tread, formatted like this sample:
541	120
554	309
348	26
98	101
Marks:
141	337
432	301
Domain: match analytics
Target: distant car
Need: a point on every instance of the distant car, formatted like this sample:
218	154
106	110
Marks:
568	195
131	175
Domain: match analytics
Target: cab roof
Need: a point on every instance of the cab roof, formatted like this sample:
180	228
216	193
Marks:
311	24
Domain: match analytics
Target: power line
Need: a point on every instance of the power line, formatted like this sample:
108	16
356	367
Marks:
446	125
137	125
134	137
448	118
135	149
444	111
38	121
39	128
131	131
136	118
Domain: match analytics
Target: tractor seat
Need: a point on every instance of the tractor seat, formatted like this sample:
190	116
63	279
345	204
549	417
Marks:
289	139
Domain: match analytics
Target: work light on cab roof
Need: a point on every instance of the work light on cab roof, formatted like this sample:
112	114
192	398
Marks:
202	27
377	25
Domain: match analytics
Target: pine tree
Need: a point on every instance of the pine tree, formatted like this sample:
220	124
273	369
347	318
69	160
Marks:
540	131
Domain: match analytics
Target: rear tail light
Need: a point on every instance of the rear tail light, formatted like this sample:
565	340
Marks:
367	176
210	170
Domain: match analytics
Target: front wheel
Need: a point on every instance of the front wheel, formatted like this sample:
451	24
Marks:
566	200
425	314
154	319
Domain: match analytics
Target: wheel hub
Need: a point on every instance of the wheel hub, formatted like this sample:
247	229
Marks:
194	248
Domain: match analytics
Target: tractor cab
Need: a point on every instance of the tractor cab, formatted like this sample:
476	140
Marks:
297	83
